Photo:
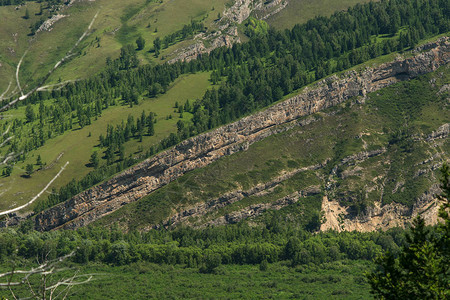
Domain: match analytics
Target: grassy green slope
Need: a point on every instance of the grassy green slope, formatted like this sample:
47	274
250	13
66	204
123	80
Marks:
76	146
13	41
118	23
300	11
393	118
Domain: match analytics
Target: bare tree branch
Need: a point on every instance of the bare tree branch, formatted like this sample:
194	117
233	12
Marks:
31	289
71	281
44	267
9	286
46	270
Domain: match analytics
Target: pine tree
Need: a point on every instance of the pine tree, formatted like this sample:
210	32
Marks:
29	113
157	46
29	170
151	125
39	160
109	155
140	42
8	171
94	160
121	152
422	268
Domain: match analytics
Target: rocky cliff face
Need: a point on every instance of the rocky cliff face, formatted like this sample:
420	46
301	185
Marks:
204	149
338	217
226	33
213	205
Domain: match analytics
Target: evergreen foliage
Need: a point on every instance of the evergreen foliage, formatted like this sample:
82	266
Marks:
422	268
94	160
29	113
157	46
29	170
256	27
186	32
205	248
39	160
140	42
27	14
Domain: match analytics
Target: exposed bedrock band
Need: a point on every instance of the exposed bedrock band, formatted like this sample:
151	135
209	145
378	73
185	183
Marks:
199	151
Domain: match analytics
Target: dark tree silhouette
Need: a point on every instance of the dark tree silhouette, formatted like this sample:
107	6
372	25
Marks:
422	269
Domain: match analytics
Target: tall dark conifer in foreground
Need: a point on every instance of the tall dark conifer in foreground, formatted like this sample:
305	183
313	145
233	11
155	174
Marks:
422	270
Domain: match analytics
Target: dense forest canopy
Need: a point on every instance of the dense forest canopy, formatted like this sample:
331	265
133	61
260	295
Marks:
236	244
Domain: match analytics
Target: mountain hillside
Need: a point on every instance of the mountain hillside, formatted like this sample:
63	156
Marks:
74	41
192	149
62	139
362	157
43	32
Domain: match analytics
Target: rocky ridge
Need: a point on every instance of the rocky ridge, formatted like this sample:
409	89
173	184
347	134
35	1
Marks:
259	208
378	216
227	32
47	25
210	207
259	190
336	216
206	148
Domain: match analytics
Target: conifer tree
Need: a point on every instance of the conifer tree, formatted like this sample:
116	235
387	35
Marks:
140	42
94	160
29	170
422	269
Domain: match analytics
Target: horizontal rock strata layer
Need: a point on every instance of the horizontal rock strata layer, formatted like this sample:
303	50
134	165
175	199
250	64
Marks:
202	150
259	208
201	209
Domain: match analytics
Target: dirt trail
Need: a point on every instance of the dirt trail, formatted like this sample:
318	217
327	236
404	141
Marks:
35	197
41	85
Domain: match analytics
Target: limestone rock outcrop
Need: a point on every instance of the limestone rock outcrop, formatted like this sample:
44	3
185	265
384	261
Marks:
338	217
199	151
226	33
200	209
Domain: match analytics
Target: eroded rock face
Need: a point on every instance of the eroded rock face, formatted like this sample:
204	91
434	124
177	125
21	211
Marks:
47	25
199	151
339	218
258	209
227	33
201	209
